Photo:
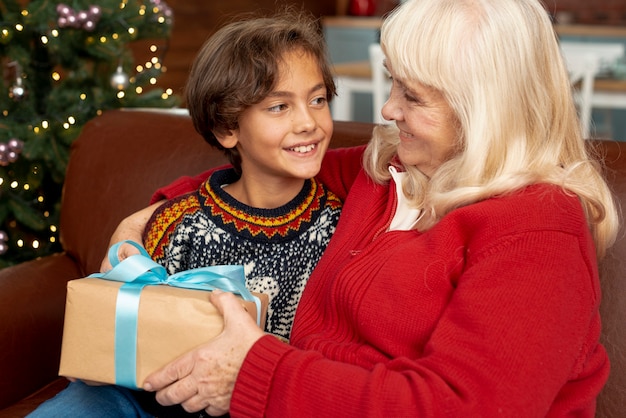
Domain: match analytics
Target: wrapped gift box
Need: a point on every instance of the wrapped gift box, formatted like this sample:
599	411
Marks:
171	321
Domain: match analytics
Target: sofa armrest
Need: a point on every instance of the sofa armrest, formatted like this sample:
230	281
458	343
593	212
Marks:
32	307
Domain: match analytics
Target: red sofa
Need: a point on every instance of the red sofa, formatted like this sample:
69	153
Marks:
120	158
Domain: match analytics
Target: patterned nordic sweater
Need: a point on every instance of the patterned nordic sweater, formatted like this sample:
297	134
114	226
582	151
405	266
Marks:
277	247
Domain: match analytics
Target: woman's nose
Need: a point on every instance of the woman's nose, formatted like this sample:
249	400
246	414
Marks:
391	110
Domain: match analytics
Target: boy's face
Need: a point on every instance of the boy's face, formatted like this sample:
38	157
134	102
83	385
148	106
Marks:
282	140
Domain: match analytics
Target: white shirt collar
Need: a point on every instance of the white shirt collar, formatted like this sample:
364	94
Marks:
405	216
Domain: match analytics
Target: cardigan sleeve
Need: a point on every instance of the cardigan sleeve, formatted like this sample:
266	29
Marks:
340	168
182	185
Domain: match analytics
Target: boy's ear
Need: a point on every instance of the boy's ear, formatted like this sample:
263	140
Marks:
227	138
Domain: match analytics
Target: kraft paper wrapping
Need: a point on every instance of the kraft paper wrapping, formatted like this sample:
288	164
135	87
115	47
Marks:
171	321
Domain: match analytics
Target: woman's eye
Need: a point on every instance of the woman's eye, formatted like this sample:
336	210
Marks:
411	98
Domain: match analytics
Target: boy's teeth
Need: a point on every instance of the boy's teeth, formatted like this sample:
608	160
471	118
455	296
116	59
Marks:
303	148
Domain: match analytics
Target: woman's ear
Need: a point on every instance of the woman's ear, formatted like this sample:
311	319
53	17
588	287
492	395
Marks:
227	138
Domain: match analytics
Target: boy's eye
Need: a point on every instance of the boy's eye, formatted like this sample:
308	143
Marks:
278	108
319	100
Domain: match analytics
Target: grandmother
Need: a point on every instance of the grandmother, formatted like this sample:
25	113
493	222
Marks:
462	278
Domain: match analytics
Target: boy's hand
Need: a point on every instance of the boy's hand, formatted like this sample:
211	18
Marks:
131	228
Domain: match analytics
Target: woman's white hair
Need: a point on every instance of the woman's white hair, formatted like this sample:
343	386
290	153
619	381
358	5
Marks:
498	64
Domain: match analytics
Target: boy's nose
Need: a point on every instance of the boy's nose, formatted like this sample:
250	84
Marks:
304	120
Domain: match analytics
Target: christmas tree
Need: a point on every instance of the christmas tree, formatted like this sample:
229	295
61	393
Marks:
63	64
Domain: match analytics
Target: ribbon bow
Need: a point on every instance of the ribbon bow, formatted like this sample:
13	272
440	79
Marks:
138	271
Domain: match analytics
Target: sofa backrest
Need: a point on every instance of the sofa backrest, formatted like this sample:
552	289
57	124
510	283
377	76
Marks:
119	159
123	156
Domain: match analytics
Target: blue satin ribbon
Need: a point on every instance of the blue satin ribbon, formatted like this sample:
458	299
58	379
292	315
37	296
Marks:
138	271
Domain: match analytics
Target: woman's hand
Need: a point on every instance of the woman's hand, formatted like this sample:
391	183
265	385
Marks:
205	377
131	228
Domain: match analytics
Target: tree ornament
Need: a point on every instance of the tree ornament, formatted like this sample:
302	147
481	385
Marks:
4	245
119	79
17	91
164	10
94	12
78	19
10	151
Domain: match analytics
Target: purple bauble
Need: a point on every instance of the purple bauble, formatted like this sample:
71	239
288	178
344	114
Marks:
95	12
82	16
15	144
63	9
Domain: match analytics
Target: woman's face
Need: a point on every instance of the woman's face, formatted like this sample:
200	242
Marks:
428	126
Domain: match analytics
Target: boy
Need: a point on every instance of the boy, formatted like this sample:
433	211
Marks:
259	90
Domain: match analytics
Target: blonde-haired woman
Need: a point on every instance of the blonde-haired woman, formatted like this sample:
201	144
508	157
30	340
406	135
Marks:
462	278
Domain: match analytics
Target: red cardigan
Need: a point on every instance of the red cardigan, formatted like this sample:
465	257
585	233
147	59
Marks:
493	312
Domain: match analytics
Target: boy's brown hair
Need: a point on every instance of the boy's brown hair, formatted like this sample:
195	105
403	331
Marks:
239	66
